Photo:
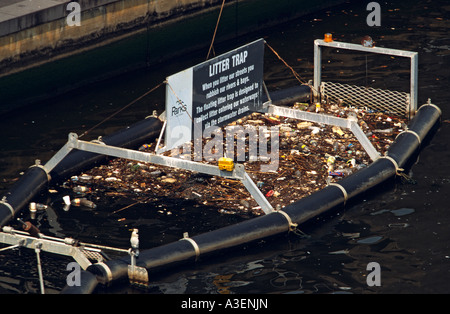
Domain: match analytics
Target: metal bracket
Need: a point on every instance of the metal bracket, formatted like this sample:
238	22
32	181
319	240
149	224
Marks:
66	247
349	123
413	56
80	252
238	172
62	153
138	275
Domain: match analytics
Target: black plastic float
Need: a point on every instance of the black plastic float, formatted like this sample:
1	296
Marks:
36	177
188	249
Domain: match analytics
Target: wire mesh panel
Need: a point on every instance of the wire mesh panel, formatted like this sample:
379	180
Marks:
401	103
368	97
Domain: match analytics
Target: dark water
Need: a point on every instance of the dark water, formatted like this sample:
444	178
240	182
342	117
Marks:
402	227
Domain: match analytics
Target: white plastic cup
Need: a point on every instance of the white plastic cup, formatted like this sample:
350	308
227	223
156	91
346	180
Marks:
66	199
32	206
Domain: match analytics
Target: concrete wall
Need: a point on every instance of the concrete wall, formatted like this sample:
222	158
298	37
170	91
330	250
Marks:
39	33
42	57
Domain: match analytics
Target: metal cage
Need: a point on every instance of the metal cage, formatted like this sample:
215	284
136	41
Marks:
401	103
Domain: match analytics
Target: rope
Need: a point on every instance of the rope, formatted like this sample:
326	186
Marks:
400	171
215	30
293	227
122	109
296	75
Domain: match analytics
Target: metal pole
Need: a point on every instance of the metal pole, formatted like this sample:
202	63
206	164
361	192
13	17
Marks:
317	67
414	85
39	266
413	56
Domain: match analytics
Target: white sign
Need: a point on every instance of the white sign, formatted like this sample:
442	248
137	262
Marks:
214	93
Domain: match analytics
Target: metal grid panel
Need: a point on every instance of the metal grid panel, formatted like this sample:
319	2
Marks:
410	105
372	98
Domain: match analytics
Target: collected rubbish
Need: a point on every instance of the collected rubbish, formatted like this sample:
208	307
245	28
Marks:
311	155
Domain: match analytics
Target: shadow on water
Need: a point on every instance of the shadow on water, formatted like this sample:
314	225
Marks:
402	226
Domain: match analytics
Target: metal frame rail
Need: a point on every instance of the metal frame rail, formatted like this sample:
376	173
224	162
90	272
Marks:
238	172
82	253
349	123
414	67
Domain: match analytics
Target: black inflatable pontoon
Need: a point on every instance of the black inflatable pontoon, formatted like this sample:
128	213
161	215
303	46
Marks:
187	250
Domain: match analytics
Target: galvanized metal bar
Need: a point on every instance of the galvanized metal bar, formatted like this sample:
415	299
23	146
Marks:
357	47
155	159
308	116
364	141
22	239
257	194
9	247
317	68
56	159
378	50
39	267
157	150
414	85
348	123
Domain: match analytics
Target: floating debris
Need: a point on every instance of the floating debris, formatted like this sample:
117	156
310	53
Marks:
398	225
311	155
403	211
345	251
396	212
370	240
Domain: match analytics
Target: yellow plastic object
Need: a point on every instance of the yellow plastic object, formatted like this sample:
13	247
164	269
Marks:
226	164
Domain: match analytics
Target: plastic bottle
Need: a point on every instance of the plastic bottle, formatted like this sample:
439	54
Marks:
341	172
345	171
335	146
37	206
386	131
41	206
81	189
87	203
304	148
144	147
331	160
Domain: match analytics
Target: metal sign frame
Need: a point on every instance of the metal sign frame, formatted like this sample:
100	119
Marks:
413	56
213	93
